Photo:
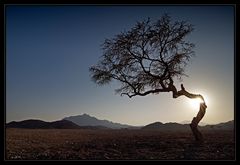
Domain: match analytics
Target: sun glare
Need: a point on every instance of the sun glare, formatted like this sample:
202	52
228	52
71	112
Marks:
195	103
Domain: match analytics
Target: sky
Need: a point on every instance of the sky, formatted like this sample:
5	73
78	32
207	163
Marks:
50	48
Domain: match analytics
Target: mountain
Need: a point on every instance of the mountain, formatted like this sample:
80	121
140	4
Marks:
87	120
167	127
39	124
63	124
156	125
185	127
188	122
221	126
27	124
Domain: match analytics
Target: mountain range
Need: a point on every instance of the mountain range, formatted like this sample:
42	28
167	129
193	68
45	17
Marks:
185	127
86	121
39	124
188	122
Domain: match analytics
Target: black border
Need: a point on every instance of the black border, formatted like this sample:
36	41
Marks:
4	3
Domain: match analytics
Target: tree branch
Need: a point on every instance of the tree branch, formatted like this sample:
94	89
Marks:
183	92
146	93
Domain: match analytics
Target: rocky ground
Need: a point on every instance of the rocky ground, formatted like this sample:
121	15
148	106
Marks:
77	144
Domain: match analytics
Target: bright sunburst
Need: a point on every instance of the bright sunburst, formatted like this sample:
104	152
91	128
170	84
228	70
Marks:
195	103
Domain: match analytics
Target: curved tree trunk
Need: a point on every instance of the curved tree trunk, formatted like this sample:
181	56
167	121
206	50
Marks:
202	109
197	134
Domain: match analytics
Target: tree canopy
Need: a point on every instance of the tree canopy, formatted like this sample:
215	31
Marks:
147	58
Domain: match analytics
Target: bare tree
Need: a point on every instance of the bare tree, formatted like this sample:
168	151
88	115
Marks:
147	59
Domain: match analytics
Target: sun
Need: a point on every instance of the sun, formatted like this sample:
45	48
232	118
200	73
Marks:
195	103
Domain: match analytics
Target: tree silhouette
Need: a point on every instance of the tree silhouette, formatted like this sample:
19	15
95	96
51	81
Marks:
147	59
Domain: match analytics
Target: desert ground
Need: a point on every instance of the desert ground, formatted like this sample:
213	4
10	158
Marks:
81	144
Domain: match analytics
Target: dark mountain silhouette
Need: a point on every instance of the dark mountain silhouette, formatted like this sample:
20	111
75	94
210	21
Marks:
87	120
94	127
155	125
167	127
63	124
27	124
185	127
221	126
188	122
39	124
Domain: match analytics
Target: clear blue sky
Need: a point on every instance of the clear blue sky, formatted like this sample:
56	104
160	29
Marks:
49	50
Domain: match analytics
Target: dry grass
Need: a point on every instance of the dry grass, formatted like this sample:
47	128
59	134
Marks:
60	144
